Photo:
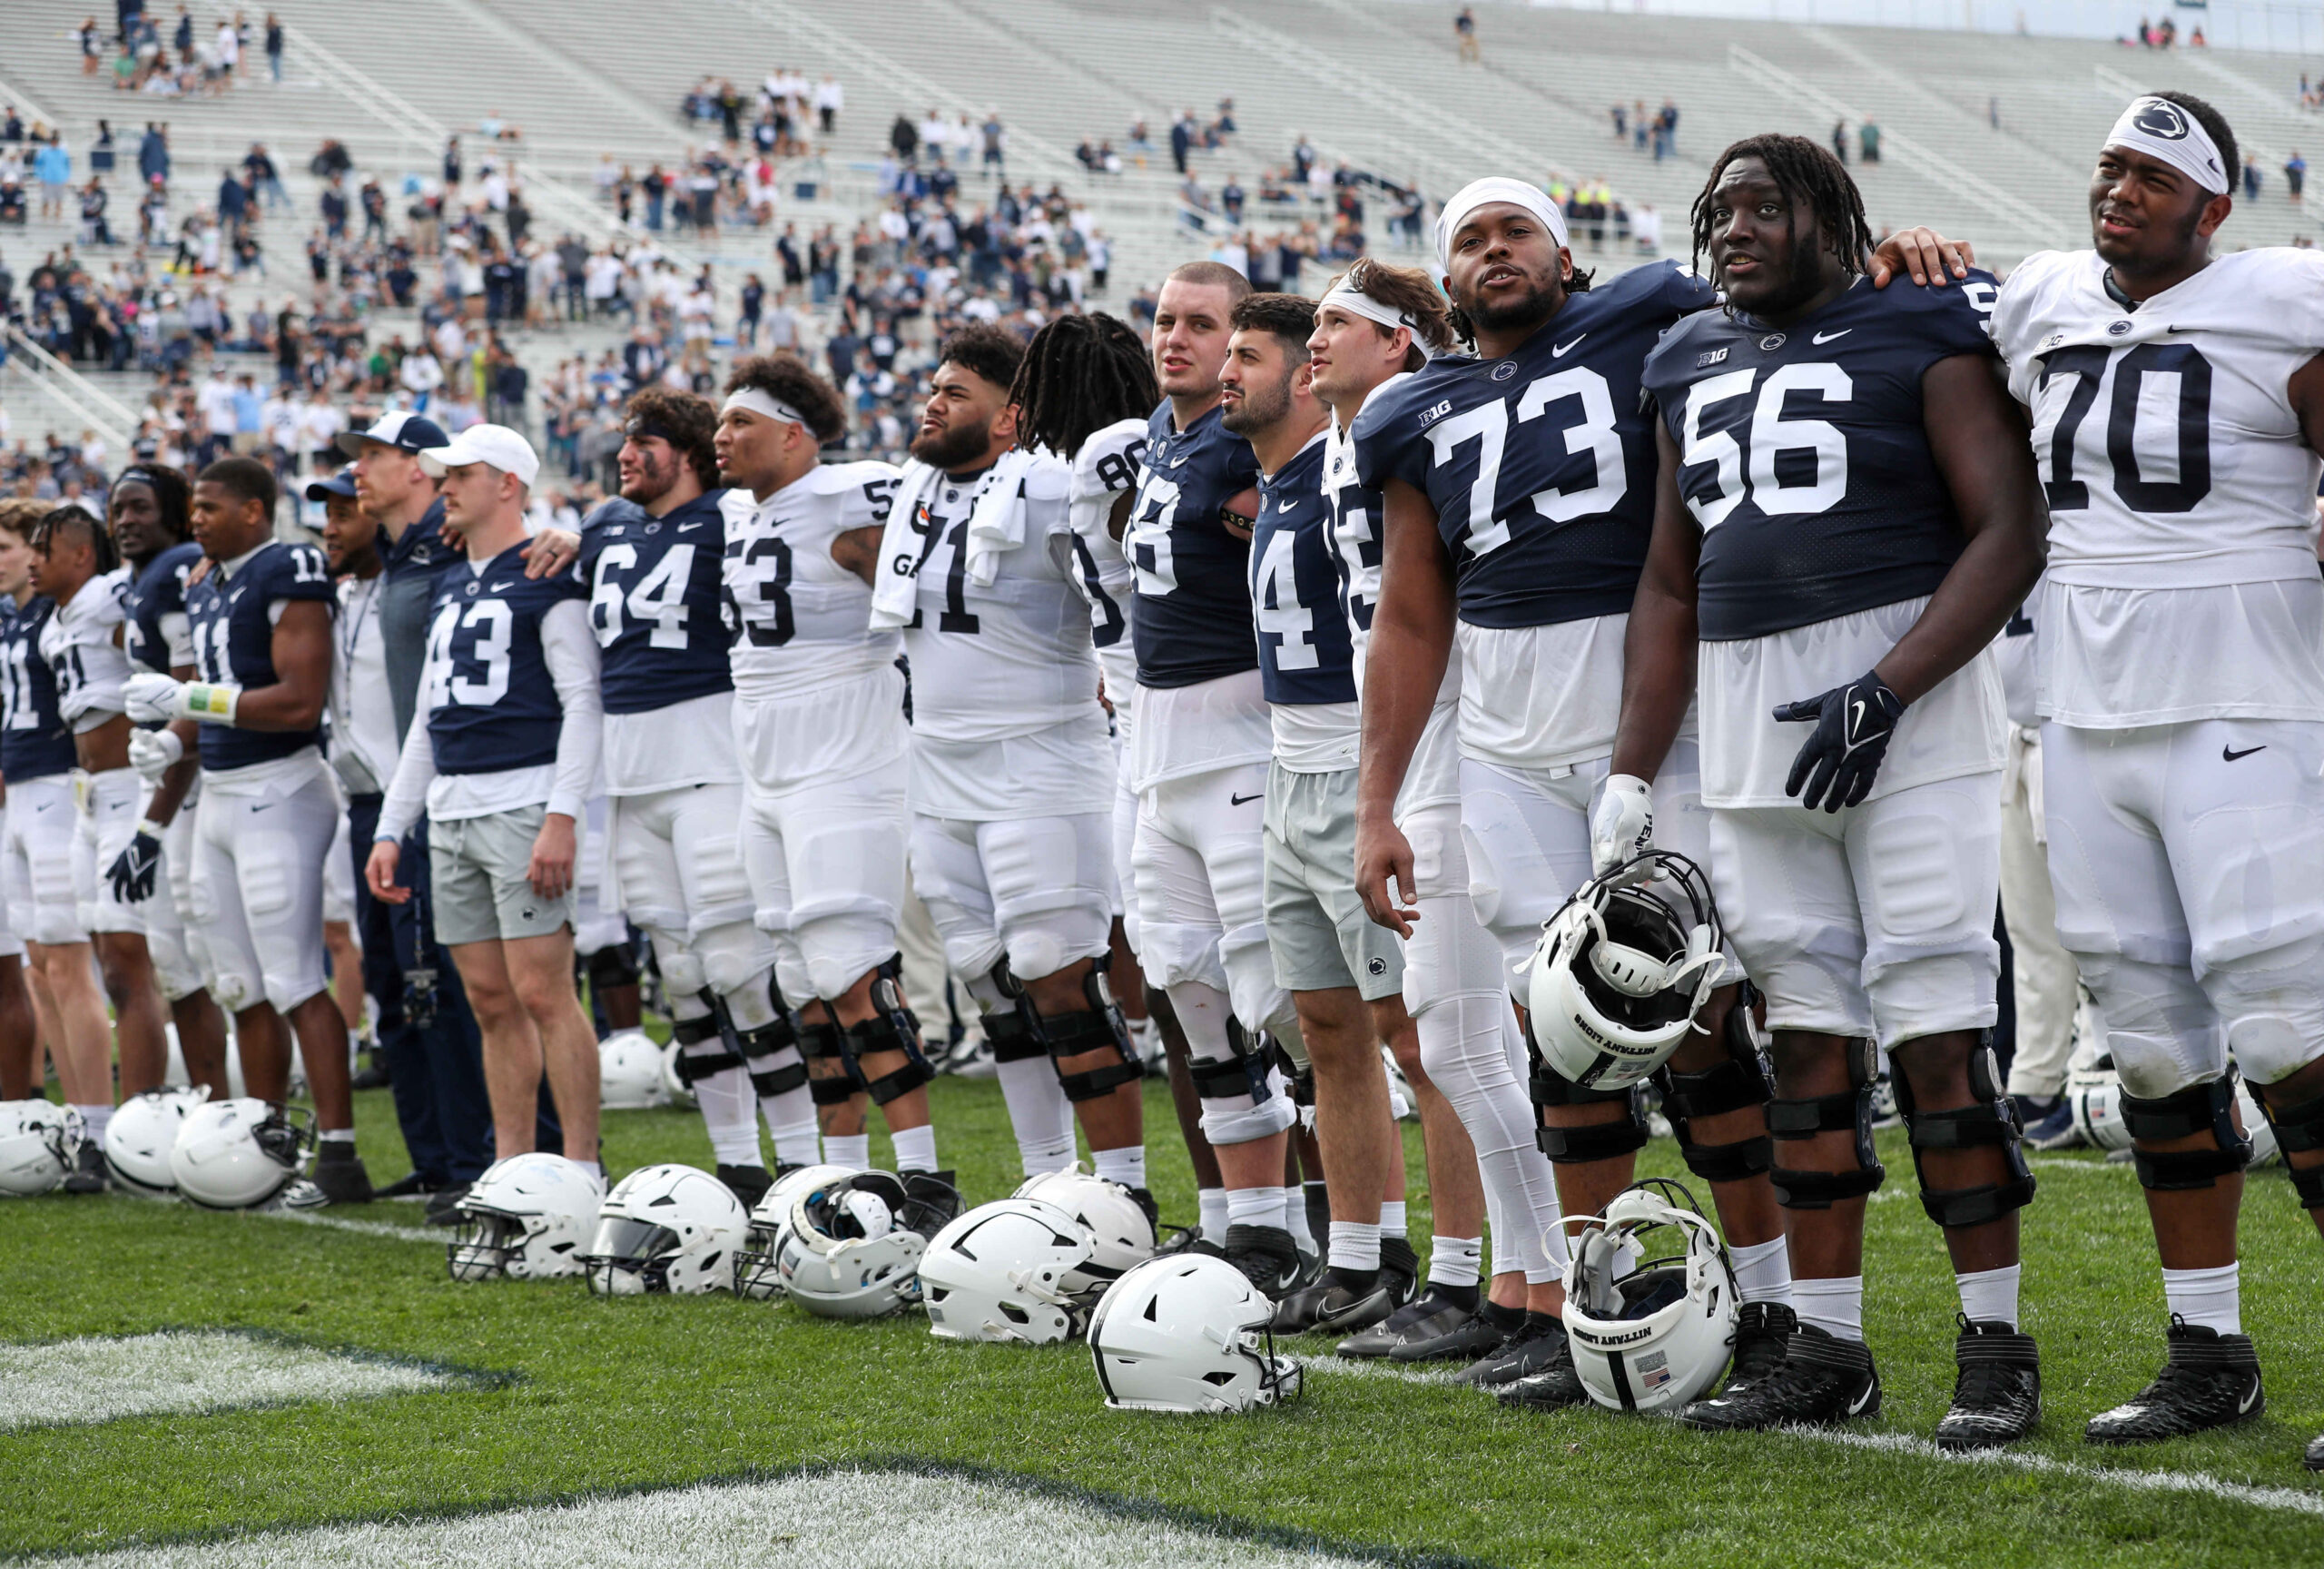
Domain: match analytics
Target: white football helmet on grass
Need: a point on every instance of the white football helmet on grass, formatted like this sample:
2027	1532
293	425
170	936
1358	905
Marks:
845	1252
629	1073
1654	1335
1622	969
665	1228
998	1273
755	1275
1189	1332
1120	1236
38	1139
237	1154
528	1217
143	1131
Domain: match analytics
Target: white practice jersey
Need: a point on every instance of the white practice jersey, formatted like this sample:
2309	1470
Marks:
1105	470
2182	495
816	691
1005	721
81	643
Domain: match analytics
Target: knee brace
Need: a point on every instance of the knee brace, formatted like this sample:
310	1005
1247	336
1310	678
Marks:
1098	1027
759	1049
2205	1107
1246	1070
1593	1141
694	1066
1740	1082
1012	1030
891	1028
1804	1118
2300	1128
612	967
1991	1120
819	1040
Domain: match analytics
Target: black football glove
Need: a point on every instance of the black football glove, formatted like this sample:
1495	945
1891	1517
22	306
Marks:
134	868
1839	763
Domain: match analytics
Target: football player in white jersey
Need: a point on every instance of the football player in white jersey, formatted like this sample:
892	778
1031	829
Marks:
1012	771
819	722
2178	399
653	560
75	565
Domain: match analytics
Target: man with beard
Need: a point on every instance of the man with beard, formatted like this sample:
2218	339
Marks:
651	559
1012	772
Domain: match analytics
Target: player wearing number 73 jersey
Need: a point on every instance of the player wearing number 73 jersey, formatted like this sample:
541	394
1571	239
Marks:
2178	400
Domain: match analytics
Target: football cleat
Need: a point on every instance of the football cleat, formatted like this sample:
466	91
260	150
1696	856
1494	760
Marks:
410	1185
1479	1335
341	1178
1998	1397
1266	1256
444	1205
2048	1121
1428	1316
749	1183
2314	1458
1400	1264
1821	1380
1761	1331
2208	1380
1328	1307
86	1173
1538	1345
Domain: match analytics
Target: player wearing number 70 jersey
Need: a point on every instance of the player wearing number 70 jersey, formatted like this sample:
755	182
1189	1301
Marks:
820	726
2178	400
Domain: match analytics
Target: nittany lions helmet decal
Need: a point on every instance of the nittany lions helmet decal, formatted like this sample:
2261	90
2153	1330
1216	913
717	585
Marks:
1651	1335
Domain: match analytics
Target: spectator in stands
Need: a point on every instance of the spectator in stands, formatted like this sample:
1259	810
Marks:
995	138
1464	35
274	48
1867	137
903	139
2250	176
52	163
1230	200
1182	141
267	178
2295	175
1840	140
830	99
452	166
152	151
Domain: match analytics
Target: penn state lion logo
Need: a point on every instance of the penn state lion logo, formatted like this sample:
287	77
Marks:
2159	118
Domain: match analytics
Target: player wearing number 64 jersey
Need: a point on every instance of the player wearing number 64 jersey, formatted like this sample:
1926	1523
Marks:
2177	401
820	726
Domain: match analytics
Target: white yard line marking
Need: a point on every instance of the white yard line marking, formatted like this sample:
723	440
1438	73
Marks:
75	1381
362	1227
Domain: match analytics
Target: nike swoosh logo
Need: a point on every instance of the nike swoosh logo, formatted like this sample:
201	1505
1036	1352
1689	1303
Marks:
2245	1405
499	588
260	806
1244	800
1857	1406
1827	336
1558	350
2229	754
688	527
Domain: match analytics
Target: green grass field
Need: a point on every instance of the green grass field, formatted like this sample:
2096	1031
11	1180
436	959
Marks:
563	1397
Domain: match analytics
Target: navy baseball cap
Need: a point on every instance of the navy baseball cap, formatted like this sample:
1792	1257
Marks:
340	484
404	431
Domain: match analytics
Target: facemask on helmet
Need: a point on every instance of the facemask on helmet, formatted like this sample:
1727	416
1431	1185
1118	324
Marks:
1650	1302
528	1217
1189	1332
1622	969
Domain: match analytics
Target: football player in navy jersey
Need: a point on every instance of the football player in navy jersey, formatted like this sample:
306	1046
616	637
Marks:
261	624
652	560
1848	513
503	765
1200	756
148	509
1346	975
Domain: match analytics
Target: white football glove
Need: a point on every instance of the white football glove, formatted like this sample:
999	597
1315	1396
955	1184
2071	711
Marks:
1622	826
149	696
153	753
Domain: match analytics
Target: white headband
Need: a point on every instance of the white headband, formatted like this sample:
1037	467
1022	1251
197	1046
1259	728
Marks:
1483	192
1356	303
2166	132
759	402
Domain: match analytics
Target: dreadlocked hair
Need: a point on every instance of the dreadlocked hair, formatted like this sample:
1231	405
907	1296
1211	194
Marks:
173	494
1081	374
73	515
1803	171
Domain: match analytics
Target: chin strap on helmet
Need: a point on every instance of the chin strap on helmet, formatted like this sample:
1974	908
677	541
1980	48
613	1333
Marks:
1735	1085
1100	1027
2205	1107
2300	1128
1791	1120
1990	1120
891	1028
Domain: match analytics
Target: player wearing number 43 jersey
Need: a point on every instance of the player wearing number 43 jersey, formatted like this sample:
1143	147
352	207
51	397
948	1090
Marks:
1012	772
820	726
2178	402
652	560
1846	518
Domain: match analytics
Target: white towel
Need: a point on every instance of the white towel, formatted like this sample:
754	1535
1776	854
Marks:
906	543
997	526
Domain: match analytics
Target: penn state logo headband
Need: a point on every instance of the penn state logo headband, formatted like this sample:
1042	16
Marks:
1357	303
2168	134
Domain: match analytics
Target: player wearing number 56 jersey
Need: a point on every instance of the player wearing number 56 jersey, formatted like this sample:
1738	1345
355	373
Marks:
819	723
2178	400
652	560
1845	518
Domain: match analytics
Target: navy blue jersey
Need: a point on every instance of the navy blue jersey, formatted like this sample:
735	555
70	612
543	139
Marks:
1803	455
233	642
1541	467
656	602
34	739
1190	617
156	593
1304	651
489	701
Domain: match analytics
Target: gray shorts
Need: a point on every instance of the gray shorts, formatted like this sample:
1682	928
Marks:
1316	928
478	866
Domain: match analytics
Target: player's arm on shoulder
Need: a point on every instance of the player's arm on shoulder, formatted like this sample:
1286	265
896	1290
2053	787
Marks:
1412	638
1922	255
1978	435
1659	648
2306	392
857	550
301	650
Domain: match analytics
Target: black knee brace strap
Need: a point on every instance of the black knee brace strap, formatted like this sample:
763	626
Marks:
759	1047
879	1033
692	1067
2309	1183
2298	1129
1071	1035
1735	1085
1990	1120
1242	1072
1011	1037
1792	1119
821	1042
1592	1142
2205	1107
614	965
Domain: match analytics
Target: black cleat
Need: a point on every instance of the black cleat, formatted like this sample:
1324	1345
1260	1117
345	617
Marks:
1400	1267
444	1204
1761	1331
1474	1336
2314	1458
1331	1307
1998	1397
2209	1380
748	1183
410	1185
1554	1387
1538	1345
1821	1380
372	1076
1268	1258
930	1201
1187	1239
87	1174
1429	1317
341	1178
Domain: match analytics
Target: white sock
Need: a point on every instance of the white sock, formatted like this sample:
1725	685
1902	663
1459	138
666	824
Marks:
851	1151
729	1111
1294	1219
1392	1218
1763	1271
336	1136
1990	1295
1834	1306
1354	1246
1255	1207
94	1120
1126	1165
1455	1261
1039	1112
1210	1212
593	1169
2207	1298
795	1143
915	1147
